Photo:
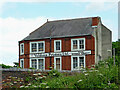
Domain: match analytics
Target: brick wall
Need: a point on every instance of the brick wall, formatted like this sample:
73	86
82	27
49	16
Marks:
66	46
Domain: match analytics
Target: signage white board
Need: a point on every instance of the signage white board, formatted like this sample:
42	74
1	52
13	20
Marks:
54	54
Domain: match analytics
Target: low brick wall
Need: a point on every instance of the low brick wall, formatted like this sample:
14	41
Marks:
34	70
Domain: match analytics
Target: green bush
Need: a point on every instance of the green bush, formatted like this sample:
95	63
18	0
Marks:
102	79
54	73
31	68
5	66
27	79
105	76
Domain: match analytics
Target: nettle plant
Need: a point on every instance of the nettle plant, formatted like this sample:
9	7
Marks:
54	73
106	76
37	82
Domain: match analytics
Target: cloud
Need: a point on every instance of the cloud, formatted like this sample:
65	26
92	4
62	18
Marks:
59	0
100	6
1	6
13	30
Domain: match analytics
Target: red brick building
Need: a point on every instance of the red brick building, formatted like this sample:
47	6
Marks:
66	45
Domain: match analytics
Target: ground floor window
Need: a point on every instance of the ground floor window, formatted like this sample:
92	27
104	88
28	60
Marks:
77	62
57	63
22	63
37	63
40	63
34	63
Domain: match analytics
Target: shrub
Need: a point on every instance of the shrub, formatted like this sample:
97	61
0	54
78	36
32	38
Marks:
5	66
31	68
27	79
106	76
54	73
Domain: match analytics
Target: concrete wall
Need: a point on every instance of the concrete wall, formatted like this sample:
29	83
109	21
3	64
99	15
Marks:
106	43
98	42
103	42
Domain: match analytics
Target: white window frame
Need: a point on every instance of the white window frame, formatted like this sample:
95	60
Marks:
77	44
55	46
37	47
78	62
20	63
37	62
55	63
31	62
21	53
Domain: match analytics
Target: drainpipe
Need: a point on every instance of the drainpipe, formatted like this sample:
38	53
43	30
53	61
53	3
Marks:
51	47
50	52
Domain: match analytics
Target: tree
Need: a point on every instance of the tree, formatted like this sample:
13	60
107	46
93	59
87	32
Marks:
116	45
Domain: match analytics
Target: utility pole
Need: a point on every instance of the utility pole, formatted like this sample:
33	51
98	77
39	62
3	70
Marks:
114	55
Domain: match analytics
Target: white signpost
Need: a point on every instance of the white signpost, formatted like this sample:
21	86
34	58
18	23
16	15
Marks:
53	54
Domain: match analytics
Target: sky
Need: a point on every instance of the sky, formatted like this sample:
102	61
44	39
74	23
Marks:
18	19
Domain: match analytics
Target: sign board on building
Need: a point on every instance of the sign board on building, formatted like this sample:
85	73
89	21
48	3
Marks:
55	54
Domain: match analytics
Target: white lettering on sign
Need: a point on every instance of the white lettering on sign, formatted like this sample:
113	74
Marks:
53	54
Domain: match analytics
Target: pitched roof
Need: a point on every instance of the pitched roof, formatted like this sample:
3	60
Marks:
63	28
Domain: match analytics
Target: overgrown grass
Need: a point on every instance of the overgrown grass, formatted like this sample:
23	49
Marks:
105	75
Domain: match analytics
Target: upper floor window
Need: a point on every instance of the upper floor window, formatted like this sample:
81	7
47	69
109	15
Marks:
21	48
78	44
40	46
36	47
57	45
74	44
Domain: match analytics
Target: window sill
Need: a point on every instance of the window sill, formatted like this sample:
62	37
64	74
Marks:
77	49
57	51
22	54
38	52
